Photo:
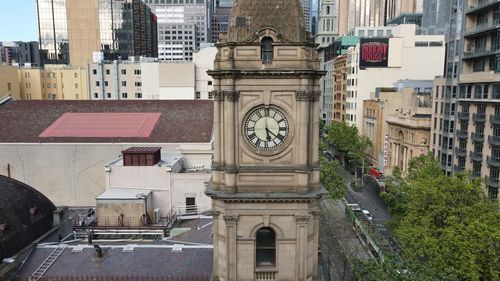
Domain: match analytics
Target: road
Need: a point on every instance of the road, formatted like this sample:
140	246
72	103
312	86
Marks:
368	198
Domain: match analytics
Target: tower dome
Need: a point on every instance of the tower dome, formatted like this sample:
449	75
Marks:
249	16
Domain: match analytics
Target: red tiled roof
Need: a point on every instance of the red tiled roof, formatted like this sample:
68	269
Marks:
104	125
179	121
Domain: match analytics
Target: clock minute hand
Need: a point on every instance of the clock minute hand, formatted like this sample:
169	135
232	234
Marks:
271	132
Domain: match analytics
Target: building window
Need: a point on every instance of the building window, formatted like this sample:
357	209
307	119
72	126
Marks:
210	95
198	95
106	83
138	84
124	95
97	83
267	50
137	71
107	71
124	72
124	83
94	71
108	95
209	83
96	95
9	86
138	95
76	85
75	75
265	247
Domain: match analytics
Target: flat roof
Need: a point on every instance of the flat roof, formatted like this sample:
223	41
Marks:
119	193
38	121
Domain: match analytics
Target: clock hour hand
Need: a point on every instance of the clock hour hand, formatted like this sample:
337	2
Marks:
270	132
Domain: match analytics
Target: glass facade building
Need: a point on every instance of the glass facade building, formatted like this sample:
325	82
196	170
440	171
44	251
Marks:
53	31
127	28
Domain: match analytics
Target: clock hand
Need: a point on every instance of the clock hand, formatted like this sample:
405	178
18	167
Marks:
271	132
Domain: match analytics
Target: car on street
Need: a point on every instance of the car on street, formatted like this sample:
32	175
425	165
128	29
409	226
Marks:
367	215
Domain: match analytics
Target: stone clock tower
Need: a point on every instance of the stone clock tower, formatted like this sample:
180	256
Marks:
265	186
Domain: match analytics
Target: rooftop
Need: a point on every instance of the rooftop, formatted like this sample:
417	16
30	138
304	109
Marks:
40	121
116	193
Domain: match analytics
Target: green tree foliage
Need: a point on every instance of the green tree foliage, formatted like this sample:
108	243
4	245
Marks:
347	140
447	228
331	177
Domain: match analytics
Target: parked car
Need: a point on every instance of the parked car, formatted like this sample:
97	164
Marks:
354	207
367	215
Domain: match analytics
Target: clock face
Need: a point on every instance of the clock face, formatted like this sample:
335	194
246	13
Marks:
266	128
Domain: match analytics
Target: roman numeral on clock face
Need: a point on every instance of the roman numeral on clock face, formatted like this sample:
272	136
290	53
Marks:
266	128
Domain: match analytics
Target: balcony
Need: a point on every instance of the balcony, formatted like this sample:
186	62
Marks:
493	140
268	275
481	53
479	117
495	119
477	137
464	116
476	156
462	134
480	6
462	152
483	28
493	161
494	182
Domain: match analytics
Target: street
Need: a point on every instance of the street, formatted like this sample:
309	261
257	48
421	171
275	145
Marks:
368	198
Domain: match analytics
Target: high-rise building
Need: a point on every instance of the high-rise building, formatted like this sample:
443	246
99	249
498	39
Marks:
306	8
436	17
20	53
219	22
479	94
53	31
118	28
445	130
182	27
395	8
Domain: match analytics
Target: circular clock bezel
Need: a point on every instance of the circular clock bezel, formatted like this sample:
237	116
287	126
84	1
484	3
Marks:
266	152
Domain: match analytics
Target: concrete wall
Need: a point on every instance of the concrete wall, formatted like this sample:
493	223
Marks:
73	174
204	61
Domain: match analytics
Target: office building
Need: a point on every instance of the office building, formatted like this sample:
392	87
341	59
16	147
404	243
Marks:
445	128
339	88
479	93
53	31
306	9
396	8
182	26
71	31
436	16
407	18
382	61
219	22
20	53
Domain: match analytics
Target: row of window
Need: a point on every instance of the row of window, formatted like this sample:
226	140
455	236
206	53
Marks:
123	95
124	84
122	71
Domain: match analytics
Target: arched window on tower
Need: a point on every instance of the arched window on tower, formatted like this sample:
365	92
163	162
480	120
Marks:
265	245
267	50
327	10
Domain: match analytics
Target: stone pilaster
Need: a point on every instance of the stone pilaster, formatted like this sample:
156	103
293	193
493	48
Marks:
301	222
231	231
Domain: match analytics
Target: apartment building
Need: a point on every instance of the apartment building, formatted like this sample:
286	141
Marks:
381	62
479	93
20	53
9	82
53	82
340	88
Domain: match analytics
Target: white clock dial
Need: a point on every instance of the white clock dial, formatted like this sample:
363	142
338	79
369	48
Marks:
266	128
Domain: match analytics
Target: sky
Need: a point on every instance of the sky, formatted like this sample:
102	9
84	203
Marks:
18	20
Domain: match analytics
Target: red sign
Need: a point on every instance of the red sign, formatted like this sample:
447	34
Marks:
374	52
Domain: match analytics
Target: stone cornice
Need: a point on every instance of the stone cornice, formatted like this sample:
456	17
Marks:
266	197
278	74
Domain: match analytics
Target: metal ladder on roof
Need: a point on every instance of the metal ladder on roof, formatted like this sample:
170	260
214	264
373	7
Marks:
40	271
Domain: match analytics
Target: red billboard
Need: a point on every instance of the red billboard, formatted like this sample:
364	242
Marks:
374	52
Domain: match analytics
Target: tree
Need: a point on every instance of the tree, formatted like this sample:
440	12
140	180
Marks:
331	177
446	226
348	141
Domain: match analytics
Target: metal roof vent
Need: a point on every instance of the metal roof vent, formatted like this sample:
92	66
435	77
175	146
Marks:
78	249
177	248
129	248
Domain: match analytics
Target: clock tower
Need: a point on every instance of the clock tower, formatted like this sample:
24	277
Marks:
265	187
